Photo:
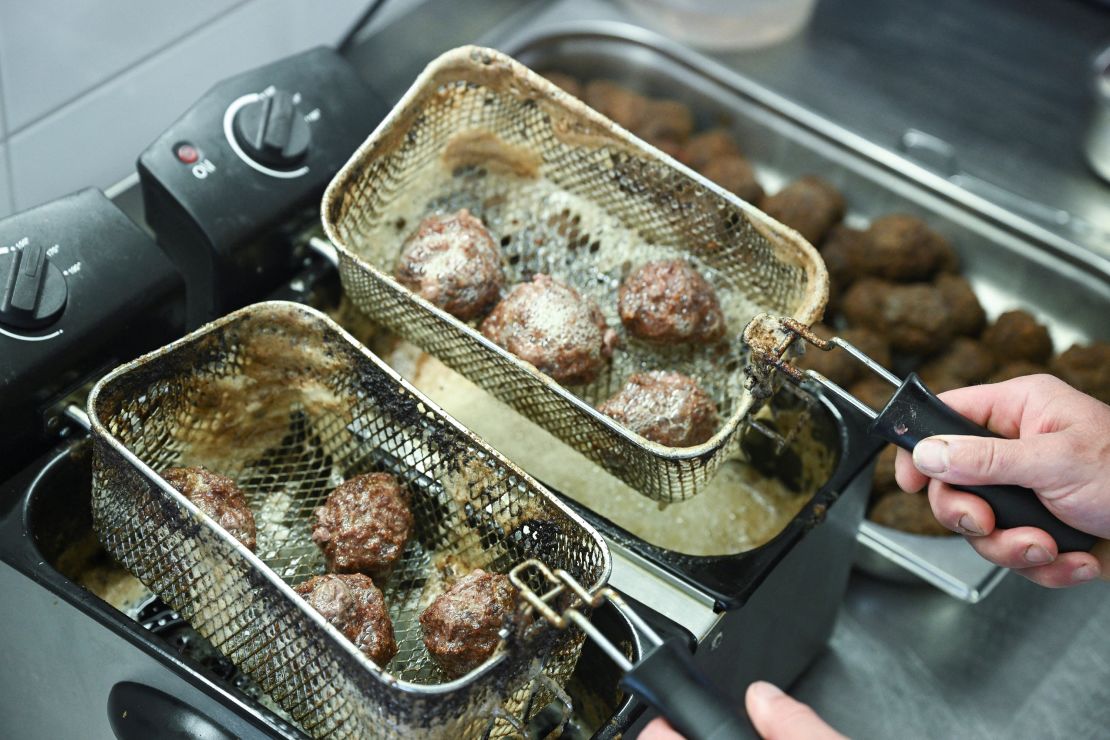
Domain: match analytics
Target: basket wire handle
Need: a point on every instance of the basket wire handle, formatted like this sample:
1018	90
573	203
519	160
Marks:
665	677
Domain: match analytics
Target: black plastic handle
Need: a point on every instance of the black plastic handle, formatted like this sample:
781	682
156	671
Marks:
667	679
138	712
914	413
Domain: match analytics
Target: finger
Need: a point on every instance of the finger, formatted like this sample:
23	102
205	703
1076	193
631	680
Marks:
1001	406
910	479
1017	548
658	729
1069	569
776	716
963	513
970	461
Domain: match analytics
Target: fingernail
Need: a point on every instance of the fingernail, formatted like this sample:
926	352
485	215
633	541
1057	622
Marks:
930	456
967	525
1037	555
1083	573
762	691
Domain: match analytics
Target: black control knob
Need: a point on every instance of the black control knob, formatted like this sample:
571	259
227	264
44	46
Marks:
34	289
272	130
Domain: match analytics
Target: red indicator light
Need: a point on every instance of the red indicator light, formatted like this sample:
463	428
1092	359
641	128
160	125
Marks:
187	153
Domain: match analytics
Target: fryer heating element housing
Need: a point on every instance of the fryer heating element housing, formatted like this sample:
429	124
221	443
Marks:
568	193
282	400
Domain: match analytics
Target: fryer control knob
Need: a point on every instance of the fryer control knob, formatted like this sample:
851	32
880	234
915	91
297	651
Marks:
34	289
272	130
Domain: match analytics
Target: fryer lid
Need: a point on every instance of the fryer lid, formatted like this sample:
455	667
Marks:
573	195
281	399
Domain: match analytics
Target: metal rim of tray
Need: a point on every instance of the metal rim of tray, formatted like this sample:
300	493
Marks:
339	640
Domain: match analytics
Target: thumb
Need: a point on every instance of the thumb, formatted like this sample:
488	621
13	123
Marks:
778	717
973	461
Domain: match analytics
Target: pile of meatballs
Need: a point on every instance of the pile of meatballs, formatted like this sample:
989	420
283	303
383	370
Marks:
362	530
896	292
454	262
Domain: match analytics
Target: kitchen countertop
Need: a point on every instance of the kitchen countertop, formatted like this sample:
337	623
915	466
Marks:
1005	82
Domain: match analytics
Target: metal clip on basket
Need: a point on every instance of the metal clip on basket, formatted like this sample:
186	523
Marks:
570	194
279	398
666	677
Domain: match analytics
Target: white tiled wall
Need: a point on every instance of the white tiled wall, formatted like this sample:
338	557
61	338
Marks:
85	85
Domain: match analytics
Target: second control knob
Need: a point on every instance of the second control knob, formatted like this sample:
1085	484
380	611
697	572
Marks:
272	130
32	289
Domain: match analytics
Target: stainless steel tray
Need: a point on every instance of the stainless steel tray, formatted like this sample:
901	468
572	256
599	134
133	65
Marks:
1009	265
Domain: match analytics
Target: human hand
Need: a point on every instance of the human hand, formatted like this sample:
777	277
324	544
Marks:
775	715
1058	444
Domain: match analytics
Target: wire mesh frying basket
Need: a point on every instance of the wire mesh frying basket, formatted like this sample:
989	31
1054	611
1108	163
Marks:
279	398
570	194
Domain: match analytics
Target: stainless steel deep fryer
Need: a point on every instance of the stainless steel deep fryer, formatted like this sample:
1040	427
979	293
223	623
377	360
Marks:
570	194
282	400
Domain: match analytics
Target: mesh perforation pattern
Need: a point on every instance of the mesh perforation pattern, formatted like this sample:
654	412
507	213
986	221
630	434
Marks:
568	193
279	398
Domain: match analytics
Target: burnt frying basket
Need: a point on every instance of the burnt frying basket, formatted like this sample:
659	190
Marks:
282	400
570	194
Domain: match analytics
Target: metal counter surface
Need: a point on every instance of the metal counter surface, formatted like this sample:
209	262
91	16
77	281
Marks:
1004	82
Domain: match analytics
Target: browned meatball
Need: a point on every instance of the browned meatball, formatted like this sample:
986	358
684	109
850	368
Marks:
843	251
707	147
1086	368
665	407
1017	369
669	301
462	626
665	120
839	366
809	205
913	318
908	512
547	323
1016	335
734	174
353	605
873	391
364	525
964	362
219	498
967	314
883	480
453	262
620	104
903	247
565	81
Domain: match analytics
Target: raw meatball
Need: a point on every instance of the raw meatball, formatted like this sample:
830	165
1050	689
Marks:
665	407
873	391
913	318
364	525
462	626
965	362
839	366
707	147
565	81
967	314
218	497
1016	335
353	605
620	104
1017	369
734	174
908	512
810	205
1086	368
884	481
547	323
903	248
669	301
453	262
